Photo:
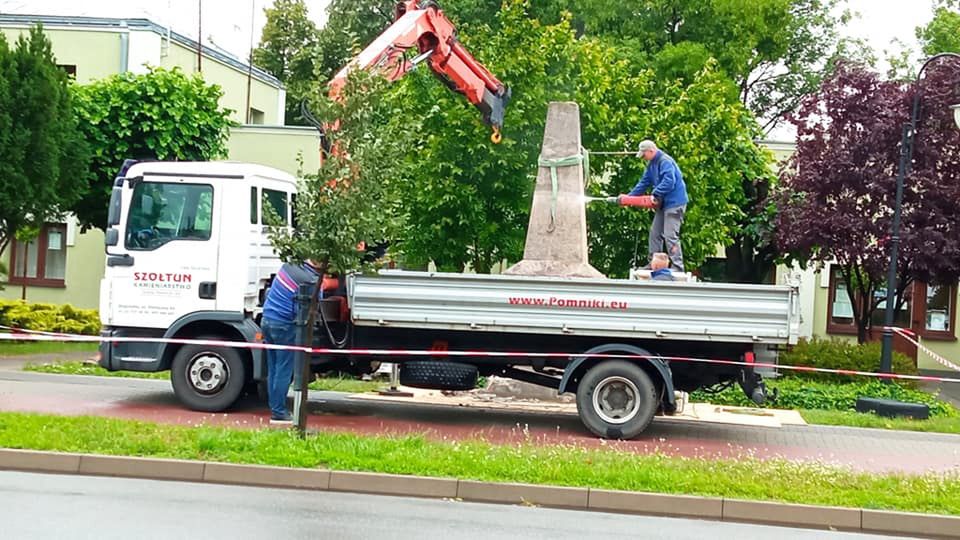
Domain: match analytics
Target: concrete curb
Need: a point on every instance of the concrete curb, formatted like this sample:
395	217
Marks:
708	508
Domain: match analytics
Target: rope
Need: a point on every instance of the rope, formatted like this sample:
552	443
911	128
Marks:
582	158
568	161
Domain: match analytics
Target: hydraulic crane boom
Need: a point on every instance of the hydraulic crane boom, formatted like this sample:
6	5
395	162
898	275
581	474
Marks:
424	26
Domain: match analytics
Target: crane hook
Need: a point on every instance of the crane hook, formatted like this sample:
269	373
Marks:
495	137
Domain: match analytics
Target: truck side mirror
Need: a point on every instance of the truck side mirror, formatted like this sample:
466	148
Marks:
111	237
113	213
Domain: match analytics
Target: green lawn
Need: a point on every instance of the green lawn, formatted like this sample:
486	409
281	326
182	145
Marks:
8	348
743	478
76	367
347	384
80	368
855	419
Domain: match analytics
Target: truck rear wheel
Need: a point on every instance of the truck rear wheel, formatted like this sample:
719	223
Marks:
207	378
616	400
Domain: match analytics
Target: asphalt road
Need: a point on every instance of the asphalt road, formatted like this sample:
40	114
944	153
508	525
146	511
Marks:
36	506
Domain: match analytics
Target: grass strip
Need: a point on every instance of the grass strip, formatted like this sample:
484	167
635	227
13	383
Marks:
742	478
10	348
855	419
72	367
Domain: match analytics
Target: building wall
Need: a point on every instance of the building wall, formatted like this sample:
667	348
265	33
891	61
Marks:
85	263
96	53
947	349
281	147
263	96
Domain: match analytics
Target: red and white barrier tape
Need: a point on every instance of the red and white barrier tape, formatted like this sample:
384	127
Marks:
906	334
47	336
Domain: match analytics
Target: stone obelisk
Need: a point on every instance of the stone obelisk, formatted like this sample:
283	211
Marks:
557	233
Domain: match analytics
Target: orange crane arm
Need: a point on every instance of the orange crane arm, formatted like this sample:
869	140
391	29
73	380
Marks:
423	25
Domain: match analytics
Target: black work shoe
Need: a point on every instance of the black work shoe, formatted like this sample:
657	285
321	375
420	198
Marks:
284	420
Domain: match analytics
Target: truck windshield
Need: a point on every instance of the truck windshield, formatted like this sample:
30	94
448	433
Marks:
163	212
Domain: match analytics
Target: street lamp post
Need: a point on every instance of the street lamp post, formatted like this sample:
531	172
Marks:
906	157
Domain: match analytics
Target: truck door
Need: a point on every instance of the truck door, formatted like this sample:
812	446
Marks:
165	263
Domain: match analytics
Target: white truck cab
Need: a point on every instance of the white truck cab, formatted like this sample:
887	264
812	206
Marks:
188	256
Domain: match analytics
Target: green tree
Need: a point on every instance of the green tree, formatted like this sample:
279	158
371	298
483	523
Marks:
351	26
43	160
467	202
712	140
287	49
775	51
349	200
942	33
161	114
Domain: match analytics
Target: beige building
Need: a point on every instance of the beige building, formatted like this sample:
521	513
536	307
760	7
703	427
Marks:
92	48
65	264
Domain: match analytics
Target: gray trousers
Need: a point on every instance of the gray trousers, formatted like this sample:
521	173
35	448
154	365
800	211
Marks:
666	230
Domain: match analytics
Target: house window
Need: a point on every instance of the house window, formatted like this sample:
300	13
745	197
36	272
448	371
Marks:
43	261
256	116
938	304
929	310
840	315
70	69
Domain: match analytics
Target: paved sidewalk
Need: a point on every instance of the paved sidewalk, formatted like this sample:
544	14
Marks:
153	400
948	391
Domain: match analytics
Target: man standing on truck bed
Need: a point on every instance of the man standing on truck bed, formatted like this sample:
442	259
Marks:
670	197
279	314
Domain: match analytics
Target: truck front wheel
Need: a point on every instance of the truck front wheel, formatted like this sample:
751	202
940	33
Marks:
206	378
616	400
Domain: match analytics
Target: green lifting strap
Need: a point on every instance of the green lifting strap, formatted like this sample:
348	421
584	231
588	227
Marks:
569	161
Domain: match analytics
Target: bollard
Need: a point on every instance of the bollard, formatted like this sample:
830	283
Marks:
301	367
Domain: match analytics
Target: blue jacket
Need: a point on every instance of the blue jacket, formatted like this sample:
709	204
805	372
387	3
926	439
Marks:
281	302
664	176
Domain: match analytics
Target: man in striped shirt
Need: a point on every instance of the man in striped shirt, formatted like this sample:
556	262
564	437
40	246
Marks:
279	314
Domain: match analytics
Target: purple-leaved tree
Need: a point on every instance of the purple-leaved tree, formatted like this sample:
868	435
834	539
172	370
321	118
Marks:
836	195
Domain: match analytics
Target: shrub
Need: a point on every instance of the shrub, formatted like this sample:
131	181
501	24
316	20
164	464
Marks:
799	393
840	354
49	317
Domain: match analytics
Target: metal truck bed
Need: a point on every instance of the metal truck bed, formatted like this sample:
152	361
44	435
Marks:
720	312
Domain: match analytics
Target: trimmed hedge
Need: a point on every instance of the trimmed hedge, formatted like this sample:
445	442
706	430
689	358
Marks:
49	317
840	354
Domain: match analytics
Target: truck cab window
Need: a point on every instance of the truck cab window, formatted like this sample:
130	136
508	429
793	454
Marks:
277	201
164	212
254	206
